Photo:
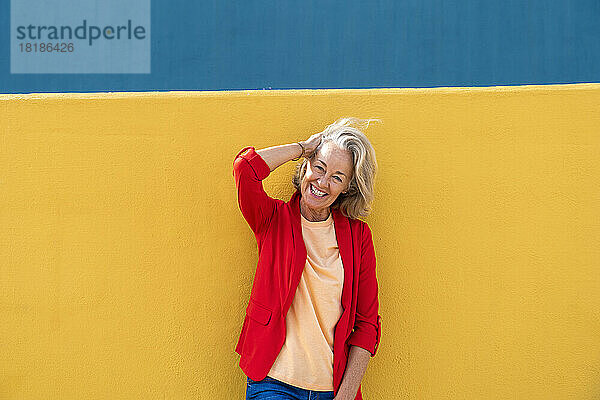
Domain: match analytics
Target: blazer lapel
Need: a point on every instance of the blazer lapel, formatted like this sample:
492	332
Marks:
299	258
343	235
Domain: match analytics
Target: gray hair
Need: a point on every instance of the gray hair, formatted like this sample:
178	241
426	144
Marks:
347	134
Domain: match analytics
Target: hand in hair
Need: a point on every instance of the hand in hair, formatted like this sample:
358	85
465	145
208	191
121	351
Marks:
311	144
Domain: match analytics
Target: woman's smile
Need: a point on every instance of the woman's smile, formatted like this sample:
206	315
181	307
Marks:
316	192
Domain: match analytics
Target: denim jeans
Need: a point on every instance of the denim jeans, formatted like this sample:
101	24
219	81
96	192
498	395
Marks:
272	389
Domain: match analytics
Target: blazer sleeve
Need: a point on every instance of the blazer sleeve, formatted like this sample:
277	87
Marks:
367	322
249	169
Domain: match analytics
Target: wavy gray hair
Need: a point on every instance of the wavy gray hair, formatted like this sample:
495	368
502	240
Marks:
347	134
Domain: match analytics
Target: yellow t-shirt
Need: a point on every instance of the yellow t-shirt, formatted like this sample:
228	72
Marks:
306	358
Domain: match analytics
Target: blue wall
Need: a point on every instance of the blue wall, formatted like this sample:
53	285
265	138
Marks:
220	45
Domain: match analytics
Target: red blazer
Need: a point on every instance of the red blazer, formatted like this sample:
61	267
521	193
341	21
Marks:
282	256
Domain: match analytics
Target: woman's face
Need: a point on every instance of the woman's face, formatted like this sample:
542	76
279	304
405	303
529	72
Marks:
327	175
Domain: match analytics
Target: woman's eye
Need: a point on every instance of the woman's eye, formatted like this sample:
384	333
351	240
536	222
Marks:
319	168
338	178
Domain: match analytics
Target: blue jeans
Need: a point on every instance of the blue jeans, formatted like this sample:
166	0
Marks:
273	389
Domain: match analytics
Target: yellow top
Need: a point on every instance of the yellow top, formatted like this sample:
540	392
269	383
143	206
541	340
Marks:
306	358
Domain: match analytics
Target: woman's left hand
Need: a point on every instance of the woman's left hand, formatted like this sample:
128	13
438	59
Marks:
356	366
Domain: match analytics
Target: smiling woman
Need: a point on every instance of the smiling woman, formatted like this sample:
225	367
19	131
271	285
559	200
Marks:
327	175
338	141
312	321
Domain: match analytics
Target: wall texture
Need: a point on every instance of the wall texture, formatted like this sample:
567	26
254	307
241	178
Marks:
125	264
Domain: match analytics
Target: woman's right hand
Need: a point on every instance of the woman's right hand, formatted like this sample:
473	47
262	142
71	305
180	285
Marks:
311	144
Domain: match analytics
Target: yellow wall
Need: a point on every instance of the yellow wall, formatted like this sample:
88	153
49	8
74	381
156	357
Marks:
125	264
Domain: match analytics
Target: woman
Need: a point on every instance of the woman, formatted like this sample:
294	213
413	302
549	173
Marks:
312	321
